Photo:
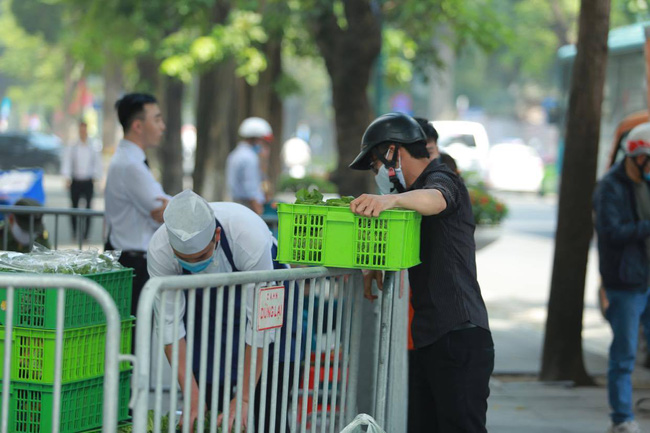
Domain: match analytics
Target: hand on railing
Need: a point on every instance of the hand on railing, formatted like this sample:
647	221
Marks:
233	412
368	277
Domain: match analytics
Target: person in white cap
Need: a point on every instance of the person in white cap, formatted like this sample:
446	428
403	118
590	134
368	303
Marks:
244	172
202	237
622	206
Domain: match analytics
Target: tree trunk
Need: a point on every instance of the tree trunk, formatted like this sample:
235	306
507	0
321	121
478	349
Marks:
349	55
70	83
171	151
216	111
276	112
149	77
562	358
112	88
263	101
214	116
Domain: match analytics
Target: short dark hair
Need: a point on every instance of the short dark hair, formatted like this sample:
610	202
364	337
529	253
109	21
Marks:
416	150
449	161
131	106
428	129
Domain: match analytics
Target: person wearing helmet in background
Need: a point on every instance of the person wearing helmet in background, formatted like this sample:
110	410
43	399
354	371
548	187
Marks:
622	220
453	344
244	166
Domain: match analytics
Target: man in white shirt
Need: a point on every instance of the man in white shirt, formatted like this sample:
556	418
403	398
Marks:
244	172
202	237
82	166
135	201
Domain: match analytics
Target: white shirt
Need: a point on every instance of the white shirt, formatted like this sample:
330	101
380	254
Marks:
243	174
250	243
131	194
82	161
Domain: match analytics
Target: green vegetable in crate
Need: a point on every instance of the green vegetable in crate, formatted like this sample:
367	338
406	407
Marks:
314	197
305	196
343	201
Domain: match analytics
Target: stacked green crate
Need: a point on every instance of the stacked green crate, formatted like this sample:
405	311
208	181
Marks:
33	351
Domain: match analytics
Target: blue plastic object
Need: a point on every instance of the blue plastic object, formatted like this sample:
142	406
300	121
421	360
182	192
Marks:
17	184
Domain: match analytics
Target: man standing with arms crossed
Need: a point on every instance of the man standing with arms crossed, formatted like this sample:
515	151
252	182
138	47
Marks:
135	201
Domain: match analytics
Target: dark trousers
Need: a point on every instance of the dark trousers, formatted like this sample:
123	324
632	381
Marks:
258	389
81	189
277	397
138	262
449	383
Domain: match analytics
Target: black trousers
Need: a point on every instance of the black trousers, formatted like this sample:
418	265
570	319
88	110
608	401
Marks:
81	189
258	389
449	383
136	260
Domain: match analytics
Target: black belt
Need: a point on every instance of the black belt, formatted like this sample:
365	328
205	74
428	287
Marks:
466	325
135	254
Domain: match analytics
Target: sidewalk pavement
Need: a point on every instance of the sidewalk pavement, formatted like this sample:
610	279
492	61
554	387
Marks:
518	402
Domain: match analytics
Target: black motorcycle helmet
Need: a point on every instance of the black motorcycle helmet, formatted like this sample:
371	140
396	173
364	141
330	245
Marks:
392	127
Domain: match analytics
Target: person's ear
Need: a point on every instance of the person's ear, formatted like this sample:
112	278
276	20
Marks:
136	126
217	234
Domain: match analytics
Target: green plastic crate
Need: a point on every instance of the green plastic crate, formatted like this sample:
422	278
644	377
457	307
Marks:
33	353
30	405
36	308
334	236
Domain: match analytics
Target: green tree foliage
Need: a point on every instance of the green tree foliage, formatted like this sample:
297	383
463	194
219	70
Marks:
33	62
526	62
185	52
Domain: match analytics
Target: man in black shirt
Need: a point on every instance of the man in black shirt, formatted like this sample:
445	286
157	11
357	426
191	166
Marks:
454	348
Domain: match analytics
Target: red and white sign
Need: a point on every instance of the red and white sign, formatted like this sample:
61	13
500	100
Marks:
270	308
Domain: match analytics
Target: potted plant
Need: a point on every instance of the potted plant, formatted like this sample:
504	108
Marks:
488	214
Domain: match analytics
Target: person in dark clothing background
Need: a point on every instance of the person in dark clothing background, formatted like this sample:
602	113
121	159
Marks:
432	137
453	344
622	207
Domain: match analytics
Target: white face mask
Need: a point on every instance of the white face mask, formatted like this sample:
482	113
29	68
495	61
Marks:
20	235
382	179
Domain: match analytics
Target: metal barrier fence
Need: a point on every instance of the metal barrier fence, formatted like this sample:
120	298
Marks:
83	216
112	356
319	395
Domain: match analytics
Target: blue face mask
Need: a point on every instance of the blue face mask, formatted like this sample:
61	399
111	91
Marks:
196	267
257	148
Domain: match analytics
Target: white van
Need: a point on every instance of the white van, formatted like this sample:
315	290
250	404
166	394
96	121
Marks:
467	142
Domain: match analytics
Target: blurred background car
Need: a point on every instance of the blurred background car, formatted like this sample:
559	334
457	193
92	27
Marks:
30	150
467	142
514	166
